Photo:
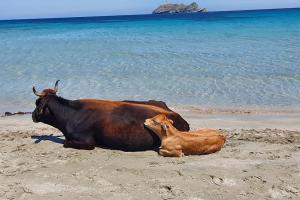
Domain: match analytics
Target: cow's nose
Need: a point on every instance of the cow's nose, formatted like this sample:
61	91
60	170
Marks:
34	119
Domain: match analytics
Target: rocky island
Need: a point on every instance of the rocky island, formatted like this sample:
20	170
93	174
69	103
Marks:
179	8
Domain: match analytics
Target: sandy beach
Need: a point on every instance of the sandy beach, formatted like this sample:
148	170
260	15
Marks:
260	160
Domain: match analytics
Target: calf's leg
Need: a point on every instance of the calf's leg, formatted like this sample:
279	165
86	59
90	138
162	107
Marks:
170	153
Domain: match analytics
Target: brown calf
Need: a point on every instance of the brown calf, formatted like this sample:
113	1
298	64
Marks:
175	143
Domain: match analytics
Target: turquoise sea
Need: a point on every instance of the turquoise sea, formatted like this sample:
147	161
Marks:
216	59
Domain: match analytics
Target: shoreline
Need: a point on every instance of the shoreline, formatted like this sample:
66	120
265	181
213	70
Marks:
216	118
239	110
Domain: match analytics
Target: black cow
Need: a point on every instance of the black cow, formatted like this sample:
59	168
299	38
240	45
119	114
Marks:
87	123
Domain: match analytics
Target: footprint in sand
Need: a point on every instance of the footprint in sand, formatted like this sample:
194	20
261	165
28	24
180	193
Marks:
280	192
216	180
221	181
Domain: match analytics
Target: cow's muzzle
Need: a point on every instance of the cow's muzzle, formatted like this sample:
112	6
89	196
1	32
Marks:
34	117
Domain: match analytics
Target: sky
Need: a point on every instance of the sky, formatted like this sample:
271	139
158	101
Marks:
25	9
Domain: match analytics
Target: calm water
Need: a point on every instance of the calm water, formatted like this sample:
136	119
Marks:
248	58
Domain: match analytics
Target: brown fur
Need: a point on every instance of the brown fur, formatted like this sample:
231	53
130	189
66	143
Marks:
175	143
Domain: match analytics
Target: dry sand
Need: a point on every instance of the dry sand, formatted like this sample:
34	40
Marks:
260	161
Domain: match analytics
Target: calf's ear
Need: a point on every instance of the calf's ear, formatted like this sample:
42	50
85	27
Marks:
171	121
164	127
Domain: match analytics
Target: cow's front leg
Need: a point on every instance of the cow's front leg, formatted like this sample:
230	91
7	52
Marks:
80	141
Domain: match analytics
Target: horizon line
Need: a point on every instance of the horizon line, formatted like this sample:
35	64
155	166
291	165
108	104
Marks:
94	16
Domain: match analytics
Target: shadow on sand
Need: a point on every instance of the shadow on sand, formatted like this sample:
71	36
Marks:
52	138
59	140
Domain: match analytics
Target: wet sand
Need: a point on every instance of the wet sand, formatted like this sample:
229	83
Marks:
260	160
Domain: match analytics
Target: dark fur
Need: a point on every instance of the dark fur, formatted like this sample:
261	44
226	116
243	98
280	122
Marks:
117	125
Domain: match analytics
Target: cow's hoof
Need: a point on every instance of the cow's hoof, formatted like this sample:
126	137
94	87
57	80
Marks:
90	148
66	144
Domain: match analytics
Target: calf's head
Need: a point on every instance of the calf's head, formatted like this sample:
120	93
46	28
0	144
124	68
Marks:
42	112
159	124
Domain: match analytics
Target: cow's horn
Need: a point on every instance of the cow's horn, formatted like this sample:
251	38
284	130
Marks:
39	94
56	86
